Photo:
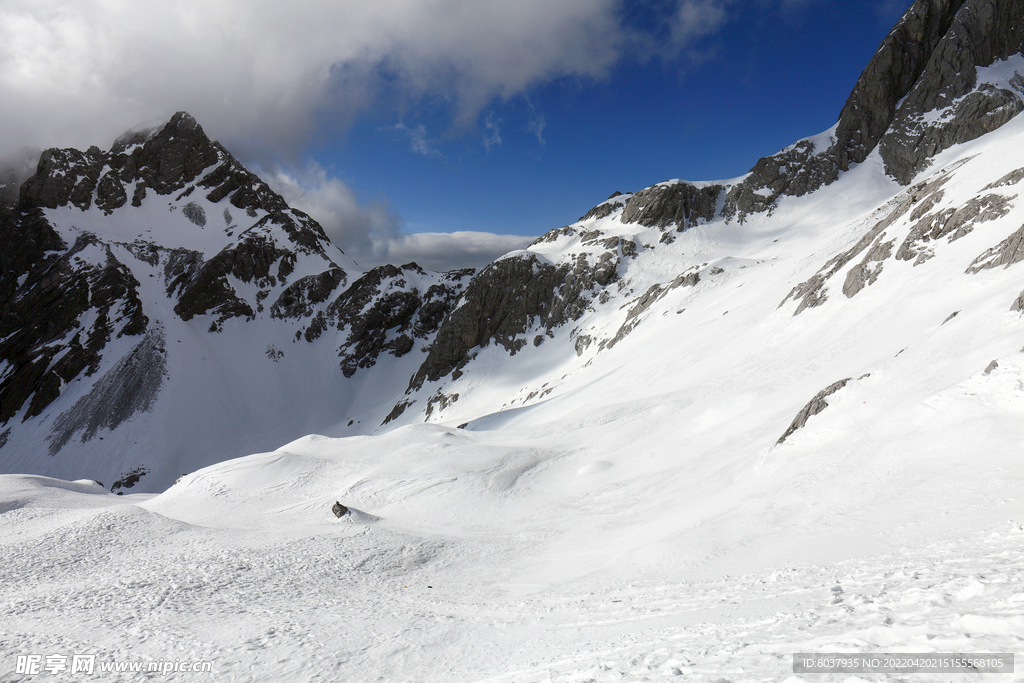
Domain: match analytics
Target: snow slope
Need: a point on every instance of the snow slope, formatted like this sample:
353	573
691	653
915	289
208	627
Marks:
704	428
615	513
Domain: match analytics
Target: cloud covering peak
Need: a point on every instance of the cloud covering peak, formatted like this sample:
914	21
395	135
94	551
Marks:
259	73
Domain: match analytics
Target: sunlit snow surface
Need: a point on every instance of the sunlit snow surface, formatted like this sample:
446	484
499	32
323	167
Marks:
637	522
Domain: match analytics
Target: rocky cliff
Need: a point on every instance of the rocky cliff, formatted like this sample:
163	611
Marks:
110	257
919	94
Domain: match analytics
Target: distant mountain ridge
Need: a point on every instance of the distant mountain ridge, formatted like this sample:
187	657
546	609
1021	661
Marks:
160	274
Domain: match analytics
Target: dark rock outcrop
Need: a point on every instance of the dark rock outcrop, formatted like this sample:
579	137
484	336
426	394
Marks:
1018	304
795	171
383	314
129	479
61	304
916	201
908	149
605	208
205	289
1011	178
811	293
507	298
980	33
951	223
815	406
895	68
166	160
679	204
867	271
299	299
905	56
1006	253
47	340
927	64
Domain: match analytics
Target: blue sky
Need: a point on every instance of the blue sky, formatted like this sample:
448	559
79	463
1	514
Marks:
765	78
480	118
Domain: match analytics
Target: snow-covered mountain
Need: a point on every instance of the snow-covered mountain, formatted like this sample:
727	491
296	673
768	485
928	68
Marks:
892	186
164	309
705	427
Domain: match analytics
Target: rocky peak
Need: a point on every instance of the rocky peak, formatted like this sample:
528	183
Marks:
894	69
168	159
981	33
928	62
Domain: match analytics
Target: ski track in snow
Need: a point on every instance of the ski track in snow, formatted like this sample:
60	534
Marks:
360	602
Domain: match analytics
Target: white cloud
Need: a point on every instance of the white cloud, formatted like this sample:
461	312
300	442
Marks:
696	19
262	73
492	134
370	231
537	126
447	251
419	142
359	228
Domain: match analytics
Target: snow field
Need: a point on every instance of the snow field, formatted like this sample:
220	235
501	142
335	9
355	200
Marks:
94	573
624	514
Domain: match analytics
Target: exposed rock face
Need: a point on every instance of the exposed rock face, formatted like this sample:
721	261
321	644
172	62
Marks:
908	149
653	295
298	300
507	298
917	96
605	208
900	62
129	479
47	338
897	65
680	204
868	270
795	171
258	258
815	406
165	161
980	33
499	305
812	293
65	295
1006	253
382	314
1011	178
930	225
951	223
928	62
